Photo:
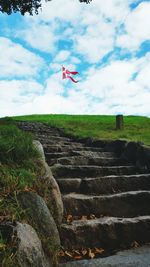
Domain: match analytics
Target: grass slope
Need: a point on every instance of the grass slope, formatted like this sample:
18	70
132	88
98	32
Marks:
19	168
136	128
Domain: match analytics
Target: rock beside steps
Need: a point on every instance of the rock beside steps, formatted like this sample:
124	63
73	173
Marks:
106	199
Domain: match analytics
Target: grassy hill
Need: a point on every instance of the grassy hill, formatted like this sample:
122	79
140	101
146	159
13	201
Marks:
136	128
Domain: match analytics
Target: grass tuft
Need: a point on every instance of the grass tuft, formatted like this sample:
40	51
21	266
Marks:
15	145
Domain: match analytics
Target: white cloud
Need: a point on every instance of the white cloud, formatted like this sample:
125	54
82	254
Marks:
107	90
62	56
136	27
54	85
39	36
92	32
16	61
15	94
88	26
67	10
96	42
115	86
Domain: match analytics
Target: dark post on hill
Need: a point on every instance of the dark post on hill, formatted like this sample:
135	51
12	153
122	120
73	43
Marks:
119	122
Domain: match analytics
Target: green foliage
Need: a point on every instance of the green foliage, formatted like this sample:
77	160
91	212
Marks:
6	120
15	145
24	6
19	170
136	128
15	178
7	252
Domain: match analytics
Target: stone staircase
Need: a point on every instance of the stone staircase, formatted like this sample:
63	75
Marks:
106	198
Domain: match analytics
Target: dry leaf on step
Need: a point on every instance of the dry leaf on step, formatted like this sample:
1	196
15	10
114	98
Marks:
91	254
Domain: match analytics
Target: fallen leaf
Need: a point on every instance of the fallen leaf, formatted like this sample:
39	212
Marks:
68	254
135	244
99	250
92	216
69	219
77	257
83	218
91	254
113	190
84	252
77	252
61	253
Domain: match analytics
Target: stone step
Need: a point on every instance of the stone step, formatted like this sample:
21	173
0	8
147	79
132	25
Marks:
59	147
62	147
50	156
36	129
106	232
47	134
128	204
89	148
69	171
93	154
70	185
81	160
64	144
133	257
54	148
54	139
105	185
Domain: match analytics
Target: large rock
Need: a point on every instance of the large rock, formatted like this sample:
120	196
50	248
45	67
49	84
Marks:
138	154
146	150
39	216
27	248
116	146
130	152
51	188
38	146
30	251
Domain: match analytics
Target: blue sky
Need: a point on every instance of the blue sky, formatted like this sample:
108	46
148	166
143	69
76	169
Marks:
107	42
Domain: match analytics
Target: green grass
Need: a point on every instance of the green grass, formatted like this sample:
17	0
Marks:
19	168
136	128
15	146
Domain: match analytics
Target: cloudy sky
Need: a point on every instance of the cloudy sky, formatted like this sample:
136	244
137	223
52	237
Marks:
107	42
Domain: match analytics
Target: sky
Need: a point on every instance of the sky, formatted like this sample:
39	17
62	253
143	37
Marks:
107	42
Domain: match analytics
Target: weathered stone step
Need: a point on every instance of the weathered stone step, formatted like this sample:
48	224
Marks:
81	160
106	232
59	147
69	171
54	139
67	145
93	154
89	149
105	185
50	156
47	134
128	204
51	147
39	128
54	148
70	185
134	257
